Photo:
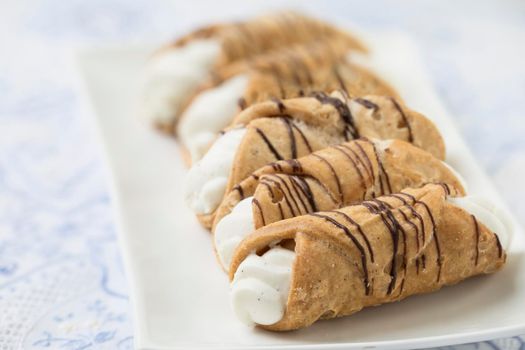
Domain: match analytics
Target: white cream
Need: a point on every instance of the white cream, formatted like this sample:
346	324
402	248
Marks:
488	214
173	76
232	229
209	113
259	291
206	181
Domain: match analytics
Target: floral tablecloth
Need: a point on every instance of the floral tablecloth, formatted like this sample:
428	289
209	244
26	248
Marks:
61	279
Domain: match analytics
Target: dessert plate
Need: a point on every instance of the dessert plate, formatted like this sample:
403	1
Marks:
180	296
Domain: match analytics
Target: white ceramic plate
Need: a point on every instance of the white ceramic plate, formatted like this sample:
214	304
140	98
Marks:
179	294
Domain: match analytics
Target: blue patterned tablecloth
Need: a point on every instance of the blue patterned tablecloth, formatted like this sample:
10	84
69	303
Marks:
61	279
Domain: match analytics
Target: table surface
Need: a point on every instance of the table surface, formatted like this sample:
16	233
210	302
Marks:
61	279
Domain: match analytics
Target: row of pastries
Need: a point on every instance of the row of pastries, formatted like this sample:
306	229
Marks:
324	193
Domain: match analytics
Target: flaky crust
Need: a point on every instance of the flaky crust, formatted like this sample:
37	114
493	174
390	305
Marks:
288	129
335	177
291	72
243	40
377	252
299	71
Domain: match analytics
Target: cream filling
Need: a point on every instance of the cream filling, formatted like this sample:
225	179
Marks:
208	114
259	291
488	214
206	181
173	76
232	229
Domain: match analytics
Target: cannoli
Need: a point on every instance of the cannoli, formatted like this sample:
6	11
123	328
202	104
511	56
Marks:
288	129
323	265
288	73
175	71
328	179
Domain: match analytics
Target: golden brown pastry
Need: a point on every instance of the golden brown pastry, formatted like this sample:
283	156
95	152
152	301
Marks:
291	273
328	179
176	71
288	129
284	74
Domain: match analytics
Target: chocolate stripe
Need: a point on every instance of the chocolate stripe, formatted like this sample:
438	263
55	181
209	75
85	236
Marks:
476	230
291	136
358	171
334	174
305	140
358	227
258	205
269	144
405	119
306	190
285	196
356	243
272	195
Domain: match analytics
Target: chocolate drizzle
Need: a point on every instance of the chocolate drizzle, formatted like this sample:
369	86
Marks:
476	230
403	233
498	243
279	103
360	230
296	188
272	195
288	189
239	189
303	137
358	171
422	260
405	119
367	103
271	180
369	171
356	243
295	164
334	174
258	205
446	188
291	135
416	231
434	233
369	167
414	214
382	173
382	209
241	102
306	190
342	109
269	144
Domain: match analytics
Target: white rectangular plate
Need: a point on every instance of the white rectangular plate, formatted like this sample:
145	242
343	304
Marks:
179	294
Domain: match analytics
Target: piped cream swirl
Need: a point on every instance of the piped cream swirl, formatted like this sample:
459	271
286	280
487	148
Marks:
207	179
172	77
209	113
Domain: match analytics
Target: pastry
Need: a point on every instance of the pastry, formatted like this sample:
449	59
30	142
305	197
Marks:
291	273
328	179
175	72
287	129
287	73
